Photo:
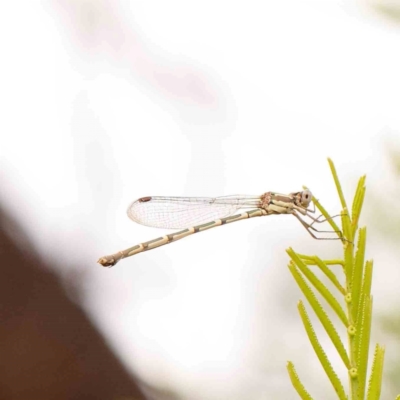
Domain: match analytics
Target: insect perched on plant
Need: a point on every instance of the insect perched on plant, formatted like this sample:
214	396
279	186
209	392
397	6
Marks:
202	213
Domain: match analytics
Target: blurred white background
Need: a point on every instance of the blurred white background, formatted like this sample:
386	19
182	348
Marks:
107	101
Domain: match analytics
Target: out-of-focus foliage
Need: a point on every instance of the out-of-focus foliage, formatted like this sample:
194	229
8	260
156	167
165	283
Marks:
390	324
387	219
388	8
387	222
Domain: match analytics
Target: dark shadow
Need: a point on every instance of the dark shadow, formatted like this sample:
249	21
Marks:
49	349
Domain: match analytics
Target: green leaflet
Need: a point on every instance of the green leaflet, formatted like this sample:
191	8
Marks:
337	183
317	283
336	383
321	314
358	271
375	381
357	204
362	349
297	384
325	213
323	266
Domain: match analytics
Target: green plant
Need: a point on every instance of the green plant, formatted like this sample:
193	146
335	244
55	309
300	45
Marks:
354	317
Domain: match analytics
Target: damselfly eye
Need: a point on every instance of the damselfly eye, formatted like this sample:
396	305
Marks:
306	197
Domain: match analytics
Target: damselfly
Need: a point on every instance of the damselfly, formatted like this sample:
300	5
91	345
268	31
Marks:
202	213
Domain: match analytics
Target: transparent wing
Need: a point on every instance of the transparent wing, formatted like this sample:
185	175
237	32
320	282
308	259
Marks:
184	212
